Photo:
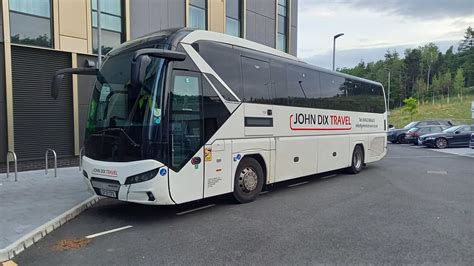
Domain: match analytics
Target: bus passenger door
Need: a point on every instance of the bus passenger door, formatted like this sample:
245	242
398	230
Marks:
258	110
186	137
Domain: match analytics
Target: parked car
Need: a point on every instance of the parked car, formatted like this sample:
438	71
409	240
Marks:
413	134
397	135
471	142
457	136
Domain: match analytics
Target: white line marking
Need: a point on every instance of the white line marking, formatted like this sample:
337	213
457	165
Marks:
429	156
328	176
438	172
298	184
109	231
197	209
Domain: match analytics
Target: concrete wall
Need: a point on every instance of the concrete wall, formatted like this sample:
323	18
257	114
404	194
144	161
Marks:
84	90
148	16
261	25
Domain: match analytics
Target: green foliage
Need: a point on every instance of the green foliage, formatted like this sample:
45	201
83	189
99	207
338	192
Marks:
411	106
425	64
459	82
458	111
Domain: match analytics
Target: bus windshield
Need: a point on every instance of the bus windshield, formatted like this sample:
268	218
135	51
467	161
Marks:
123	120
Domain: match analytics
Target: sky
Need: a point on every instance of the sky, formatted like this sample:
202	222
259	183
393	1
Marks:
372	27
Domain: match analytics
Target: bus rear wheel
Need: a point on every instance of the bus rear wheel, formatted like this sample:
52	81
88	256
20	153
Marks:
357	161
248	182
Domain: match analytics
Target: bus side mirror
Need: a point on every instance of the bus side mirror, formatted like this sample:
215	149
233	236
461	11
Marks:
59	76
139	66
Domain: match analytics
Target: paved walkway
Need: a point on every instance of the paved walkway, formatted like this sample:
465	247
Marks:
37	199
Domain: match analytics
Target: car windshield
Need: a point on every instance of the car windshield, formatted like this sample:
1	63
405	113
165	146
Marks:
452	129
119	115
412	124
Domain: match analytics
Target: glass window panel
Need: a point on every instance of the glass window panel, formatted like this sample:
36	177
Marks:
197	18
34	7
110	40
232	27
109	6
198	3
282	25
256	80
233	9
30	30
281	10
108	22
282	2
281	42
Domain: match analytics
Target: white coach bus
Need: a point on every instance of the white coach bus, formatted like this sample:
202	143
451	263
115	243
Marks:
182	115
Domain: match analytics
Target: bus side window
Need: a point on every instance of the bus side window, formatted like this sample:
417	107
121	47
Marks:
256	79
279	86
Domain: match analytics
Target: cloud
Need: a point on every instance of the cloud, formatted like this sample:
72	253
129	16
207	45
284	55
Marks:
351	57
415	9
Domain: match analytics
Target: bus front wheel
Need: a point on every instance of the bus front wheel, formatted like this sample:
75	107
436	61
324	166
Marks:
357	161
248	181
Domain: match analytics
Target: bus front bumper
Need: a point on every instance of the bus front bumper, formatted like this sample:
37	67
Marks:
111	182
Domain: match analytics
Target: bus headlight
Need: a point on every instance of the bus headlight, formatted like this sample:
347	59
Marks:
141	177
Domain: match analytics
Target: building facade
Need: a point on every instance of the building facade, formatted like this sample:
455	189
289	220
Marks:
38	37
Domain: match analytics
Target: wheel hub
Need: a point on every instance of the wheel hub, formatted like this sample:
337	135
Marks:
248	180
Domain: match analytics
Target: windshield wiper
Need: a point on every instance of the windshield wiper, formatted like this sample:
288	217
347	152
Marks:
135	145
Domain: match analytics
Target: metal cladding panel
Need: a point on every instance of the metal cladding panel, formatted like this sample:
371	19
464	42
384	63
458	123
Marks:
294	41
1	24
3	109
147	16
40	122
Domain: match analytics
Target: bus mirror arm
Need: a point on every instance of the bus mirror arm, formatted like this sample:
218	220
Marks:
142	59
59	76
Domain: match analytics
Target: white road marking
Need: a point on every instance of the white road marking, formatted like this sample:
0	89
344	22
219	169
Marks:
437	172
298	184
427	156
109	231
196	209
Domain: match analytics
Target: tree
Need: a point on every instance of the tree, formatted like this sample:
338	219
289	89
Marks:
459	82
410	107
468	42
446	84
435	87
420	86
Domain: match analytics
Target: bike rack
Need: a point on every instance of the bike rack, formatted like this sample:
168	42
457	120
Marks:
16	165
55	162
80	158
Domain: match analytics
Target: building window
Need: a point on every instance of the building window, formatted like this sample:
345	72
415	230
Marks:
282	26
111	22
233	18
198	14
30	22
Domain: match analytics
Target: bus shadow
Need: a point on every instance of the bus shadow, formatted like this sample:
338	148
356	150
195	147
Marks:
143	214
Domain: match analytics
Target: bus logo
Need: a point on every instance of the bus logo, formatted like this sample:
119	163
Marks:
300	121
105	172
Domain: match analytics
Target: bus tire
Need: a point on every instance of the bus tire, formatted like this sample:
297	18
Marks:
357	161
248	181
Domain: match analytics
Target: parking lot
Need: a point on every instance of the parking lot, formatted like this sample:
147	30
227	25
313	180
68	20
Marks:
414	206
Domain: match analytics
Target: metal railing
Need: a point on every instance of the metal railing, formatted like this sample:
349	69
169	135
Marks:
80	158
55	162
16	164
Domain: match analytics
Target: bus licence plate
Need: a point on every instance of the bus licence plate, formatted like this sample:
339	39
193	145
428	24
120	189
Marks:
108	193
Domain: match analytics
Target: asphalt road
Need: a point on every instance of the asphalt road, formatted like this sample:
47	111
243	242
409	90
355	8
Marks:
415	206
